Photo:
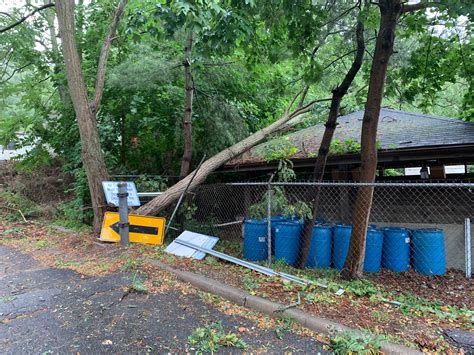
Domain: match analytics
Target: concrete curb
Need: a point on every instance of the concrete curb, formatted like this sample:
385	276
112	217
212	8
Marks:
242	298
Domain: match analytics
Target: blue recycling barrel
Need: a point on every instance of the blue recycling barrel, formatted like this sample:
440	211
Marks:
320	248
275	220
255	240
429	256
342	240
287	241
373	250
396	249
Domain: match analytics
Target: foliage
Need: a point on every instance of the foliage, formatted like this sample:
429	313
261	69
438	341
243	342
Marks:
279	148
343	147
248	63
352	342
394	172
280	205
138	285
15	202
146	183
211	337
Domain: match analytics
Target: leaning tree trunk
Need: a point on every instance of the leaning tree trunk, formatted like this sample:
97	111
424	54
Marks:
162	201
337	95
91	152
390	11
188	109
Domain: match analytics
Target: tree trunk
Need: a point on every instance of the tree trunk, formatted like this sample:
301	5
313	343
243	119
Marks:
390	11
162	201
91	153
337	95
92	157
188	109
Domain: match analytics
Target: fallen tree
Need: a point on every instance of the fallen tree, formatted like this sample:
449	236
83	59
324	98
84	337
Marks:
172	194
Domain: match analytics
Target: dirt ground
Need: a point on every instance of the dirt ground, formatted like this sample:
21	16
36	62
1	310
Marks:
427	306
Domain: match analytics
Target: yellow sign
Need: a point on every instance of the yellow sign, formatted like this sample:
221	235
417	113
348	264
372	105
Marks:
143	229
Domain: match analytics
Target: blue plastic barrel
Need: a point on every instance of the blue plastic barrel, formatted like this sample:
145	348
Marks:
255	240
373	250
342	240
275	220
428	251
287	241
320	249
396	249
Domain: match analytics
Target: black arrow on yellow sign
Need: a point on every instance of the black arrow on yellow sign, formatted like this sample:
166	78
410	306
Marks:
136	229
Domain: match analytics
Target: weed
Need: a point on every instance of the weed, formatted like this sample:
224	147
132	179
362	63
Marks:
43	244
250	283
211	337
14	230
137	285
361	288
381	316
352	342
320	297
61	263
16	201
7	299
211	261
285	324
131	264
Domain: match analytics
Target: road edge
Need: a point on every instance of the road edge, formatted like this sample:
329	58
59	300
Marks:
273	309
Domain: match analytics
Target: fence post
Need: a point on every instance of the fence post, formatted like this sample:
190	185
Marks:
269	219
467	247
123	212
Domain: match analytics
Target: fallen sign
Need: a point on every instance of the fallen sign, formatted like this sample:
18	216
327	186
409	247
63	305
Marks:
143	229
262	269
201	240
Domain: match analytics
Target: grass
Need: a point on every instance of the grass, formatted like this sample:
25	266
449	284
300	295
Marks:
44	244
7	299
62	263
284	325
137	285
131	264
211	338
353	342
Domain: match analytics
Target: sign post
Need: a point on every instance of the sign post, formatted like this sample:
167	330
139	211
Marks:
123	212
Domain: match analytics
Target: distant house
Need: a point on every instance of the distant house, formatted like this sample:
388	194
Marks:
11	150
406	140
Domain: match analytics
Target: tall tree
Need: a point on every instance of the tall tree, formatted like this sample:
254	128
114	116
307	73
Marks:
188	107
85	108
337	95
390	12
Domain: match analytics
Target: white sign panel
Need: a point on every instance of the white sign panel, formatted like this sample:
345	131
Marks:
202	240
111	191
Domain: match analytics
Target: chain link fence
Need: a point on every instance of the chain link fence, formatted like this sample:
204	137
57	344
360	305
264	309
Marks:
416	227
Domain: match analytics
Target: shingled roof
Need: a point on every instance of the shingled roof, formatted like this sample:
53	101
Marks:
396	130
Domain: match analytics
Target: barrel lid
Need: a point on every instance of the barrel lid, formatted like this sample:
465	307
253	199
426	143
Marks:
342	225
323	225
255	221
396	229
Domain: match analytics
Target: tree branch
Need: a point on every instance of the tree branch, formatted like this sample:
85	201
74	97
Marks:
24	18
104	55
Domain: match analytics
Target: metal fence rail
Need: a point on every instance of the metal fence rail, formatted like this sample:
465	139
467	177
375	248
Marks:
414	227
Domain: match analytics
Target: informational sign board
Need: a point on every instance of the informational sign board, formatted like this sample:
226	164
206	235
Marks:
111	190
202	240
143	229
